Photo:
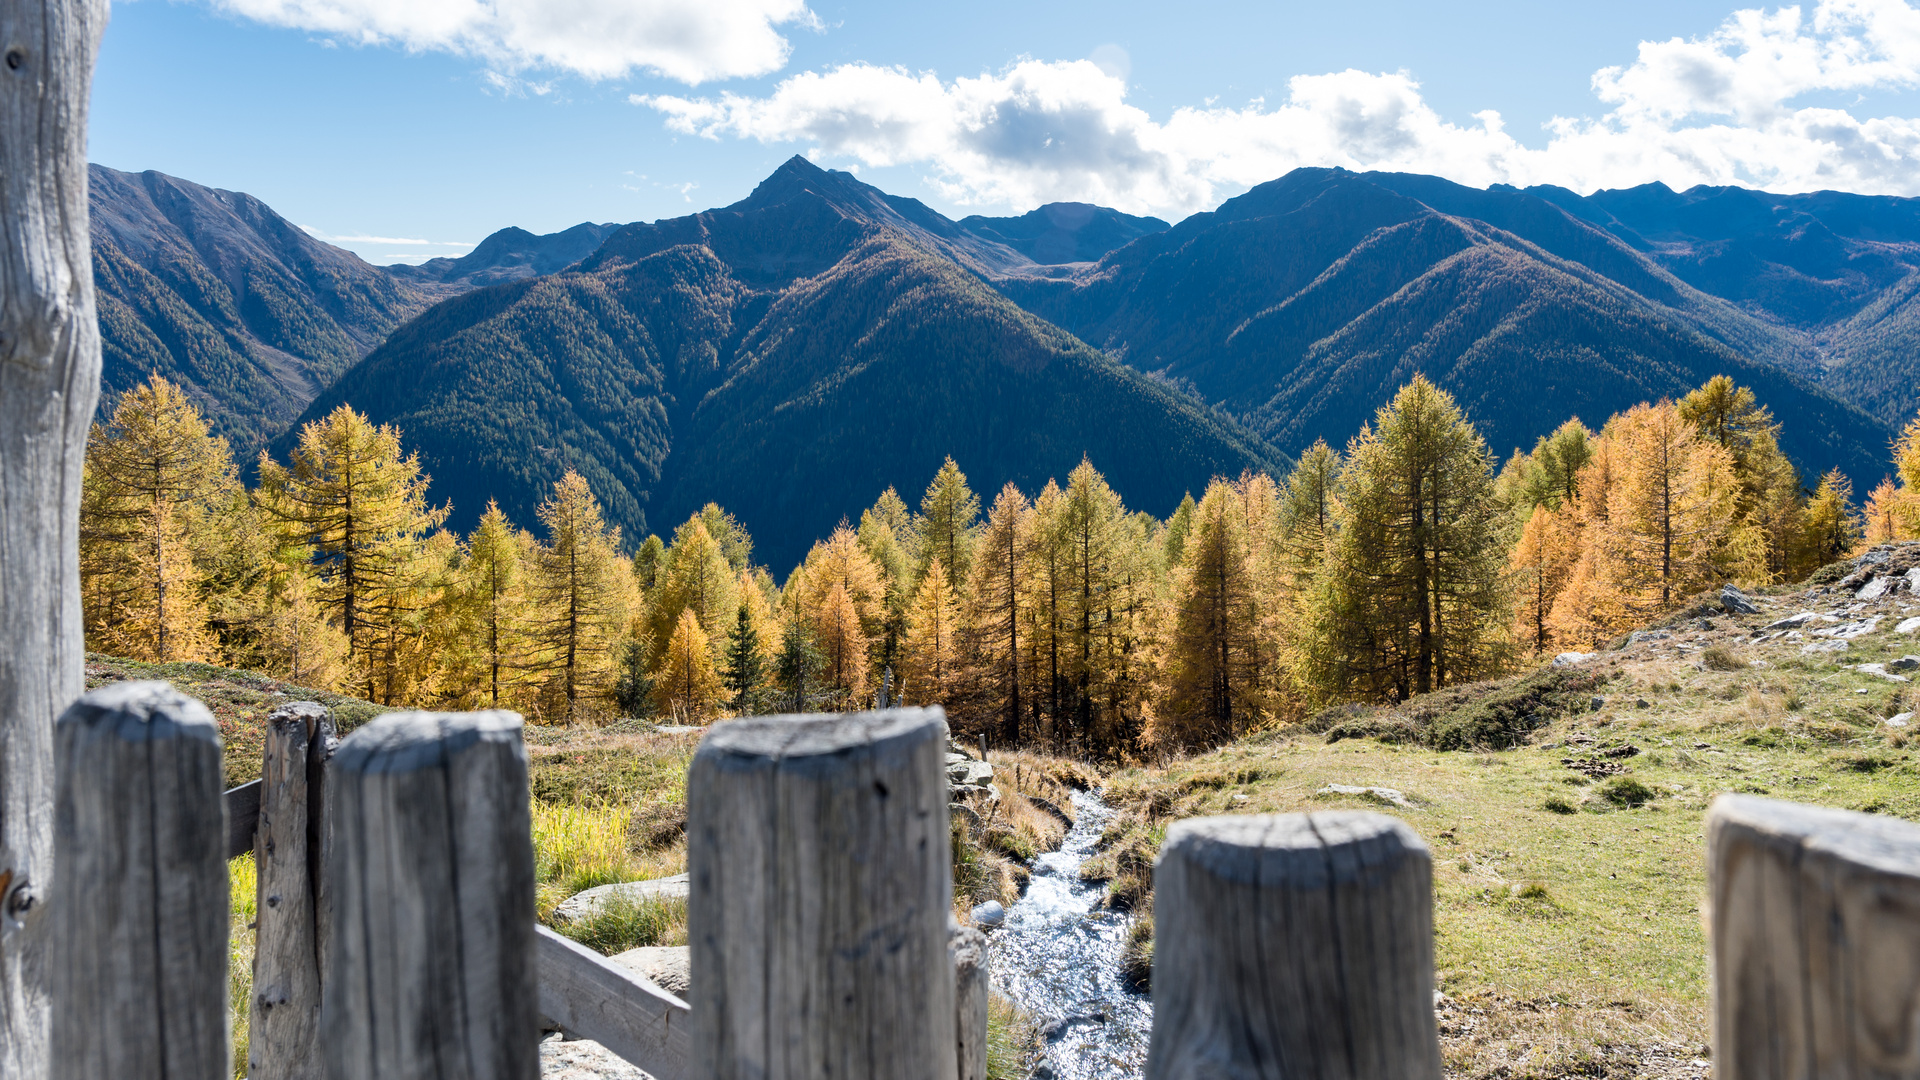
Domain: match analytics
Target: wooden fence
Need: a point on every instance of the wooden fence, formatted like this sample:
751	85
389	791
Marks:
396	934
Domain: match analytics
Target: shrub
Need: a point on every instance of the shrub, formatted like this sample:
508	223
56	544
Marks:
1625	791
655	825
1558	805
623	923
1533	890
1718	657
1136	959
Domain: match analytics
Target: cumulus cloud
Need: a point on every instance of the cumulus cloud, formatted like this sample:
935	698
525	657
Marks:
1727	108
691	41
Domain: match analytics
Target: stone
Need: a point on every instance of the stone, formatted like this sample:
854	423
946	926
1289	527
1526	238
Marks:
1639	636
586	904
1567	658
1379	794
669	966
1881	671
967	771
1793	621
1849	631
1908	626
1905	663
1598	703
1900	719
583	1059
962	810
1875	589
1736	602
1824	646
990	914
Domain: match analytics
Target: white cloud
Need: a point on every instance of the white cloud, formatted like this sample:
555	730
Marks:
691	41
1718	110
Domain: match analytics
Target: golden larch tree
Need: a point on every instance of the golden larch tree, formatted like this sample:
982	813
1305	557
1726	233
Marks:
929	661
687	687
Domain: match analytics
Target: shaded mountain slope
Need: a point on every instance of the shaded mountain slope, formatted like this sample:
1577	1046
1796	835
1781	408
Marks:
1064	232
217	292
1305	303
790	356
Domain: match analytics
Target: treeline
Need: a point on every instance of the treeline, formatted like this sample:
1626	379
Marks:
1409	562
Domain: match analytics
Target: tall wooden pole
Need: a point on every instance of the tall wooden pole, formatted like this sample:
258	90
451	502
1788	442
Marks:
49	381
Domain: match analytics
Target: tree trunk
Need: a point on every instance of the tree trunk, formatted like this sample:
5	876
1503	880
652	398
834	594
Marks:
49	382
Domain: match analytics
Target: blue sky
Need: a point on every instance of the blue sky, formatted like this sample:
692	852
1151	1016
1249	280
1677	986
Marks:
458	117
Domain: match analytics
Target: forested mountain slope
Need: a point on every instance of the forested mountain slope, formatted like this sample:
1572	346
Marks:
215	291
1305	303
789	356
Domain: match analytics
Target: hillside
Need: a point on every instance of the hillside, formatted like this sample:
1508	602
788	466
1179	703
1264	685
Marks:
1305	303
217	292
1064	232
789	356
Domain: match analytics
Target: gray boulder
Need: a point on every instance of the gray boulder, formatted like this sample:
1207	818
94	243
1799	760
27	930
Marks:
1736	602
668	966
991	913
584	905
969	772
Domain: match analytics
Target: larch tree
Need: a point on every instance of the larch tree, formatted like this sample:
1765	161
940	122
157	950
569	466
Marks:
648	560
842	640
153	476
1884	517
949	521
930	652
1414	594
697	575
1209	676
1090	532
1542	562
880	538
994	616
295	640
736	545
493	588
841	562
1829	528
1179	527
687	687
581	593
359	506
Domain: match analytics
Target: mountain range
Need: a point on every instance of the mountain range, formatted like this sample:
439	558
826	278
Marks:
793	354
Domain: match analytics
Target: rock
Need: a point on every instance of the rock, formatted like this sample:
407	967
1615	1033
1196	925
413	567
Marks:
1567	658
963	810
1905	663
667	965
990	914
1900	719
1881	671
1379	794
591	902
1908	626
1598	703
1642	703
969	772
1875	589
1849	631
583	1059
1824	646
1049	807
1736	602
1793	621
1639	636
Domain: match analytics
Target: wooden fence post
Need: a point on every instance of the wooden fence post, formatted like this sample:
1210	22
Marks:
431	882
1814	941
140	914
968	949
289	855
1293	945
820	892
49	382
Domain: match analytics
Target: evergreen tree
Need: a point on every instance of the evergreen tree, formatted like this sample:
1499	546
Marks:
798	666
948	523
359	507
153	477
1829	528
735	544
581	593
648	560
1557	460
635	686
995	614
1179	527
1413	596
687	687
929	661
746	666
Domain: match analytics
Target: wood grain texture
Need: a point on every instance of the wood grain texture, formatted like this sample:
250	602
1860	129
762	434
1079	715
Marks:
1814	941
968	949
431	883
283	1025
818	853
49	381
589	996
140	919
1293	946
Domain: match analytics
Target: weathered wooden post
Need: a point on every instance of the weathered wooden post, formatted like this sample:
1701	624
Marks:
289	852
49	381
431	882
968	949
1293	946
821	887
1815	941
140	924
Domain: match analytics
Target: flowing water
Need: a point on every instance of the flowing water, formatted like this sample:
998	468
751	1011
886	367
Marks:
1058	957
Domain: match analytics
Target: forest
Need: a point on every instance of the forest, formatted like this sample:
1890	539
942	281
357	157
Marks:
1410	560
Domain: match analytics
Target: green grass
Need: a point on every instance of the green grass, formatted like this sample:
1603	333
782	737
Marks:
242	888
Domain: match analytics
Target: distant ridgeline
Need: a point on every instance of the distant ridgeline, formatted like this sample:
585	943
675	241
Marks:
1407	561
820	340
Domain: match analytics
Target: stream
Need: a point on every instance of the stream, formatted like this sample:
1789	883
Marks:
1059	959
